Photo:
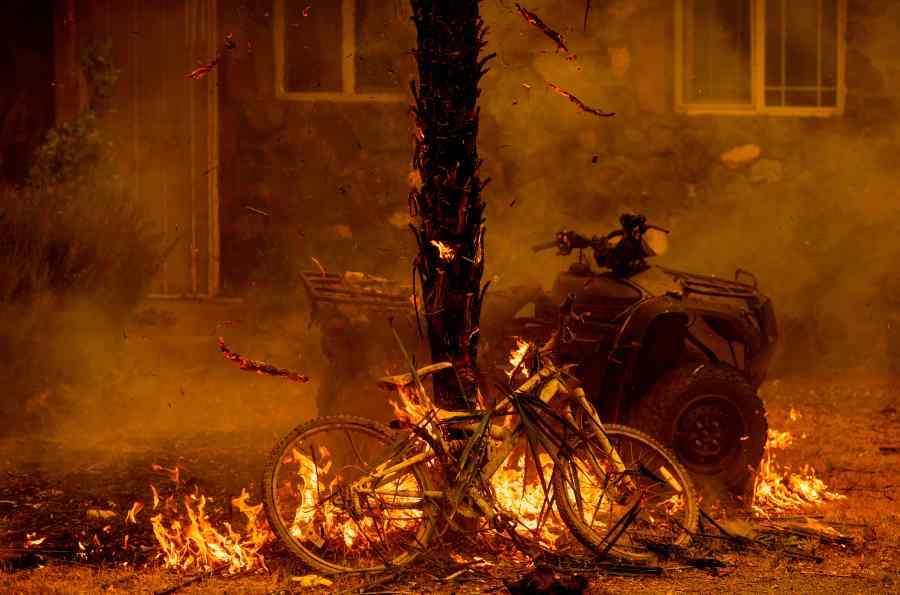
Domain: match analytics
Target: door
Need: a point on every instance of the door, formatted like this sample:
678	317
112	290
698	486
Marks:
163	126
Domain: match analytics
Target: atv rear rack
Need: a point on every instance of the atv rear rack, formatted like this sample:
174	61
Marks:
356	289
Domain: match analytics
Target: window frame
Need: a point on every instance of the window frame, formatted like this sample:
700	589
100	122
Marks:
757	105
348	92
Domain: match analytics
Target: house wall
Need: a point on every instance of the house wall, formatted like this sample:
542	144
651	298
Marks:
812	217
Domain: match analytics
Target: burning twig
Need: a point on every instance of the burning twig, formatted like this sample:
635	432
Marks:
202	70
581	105
535	20
260	367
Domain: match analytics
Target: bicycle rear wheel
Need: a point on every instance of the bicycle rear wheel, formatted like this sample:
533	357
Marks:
652	504
315	509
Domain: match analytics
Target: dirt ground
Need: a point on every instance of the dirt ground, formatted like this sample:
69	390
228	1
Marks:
848	429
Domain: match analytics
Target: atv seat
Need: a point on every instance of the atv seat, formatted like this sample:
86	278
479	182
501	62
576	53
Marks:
405	380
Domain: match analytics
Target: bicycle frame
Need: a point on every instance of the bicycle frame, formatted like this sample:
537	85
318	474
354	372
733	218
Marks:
547	383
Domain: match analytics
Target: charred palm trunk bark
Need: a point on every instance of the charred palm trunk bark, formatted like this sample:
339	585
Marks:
450	232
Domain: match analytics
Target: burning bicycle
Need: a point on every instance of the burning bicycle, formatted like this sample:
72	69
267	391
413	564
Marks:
348	494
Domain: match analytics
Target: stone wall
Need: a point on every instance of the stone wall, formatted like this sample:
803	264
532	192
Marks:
812	214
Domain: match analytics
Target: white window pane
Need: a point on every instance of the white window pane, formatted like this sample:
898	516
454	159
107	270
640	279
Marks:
801	53
717	46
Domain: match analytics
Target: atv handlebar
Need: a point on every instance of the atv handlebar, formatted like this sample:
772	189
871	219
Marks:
622	251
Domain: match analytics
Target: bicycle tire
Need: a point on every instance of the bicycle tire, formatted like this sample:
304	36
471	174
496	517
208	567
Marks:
303	550
629	546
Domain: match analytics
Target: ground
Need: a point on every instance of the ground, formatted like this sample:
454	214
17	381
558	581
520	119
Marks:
848	429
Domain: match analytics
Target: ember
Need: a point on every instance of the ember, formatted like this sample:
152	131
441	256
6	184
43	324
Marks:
536	21
581	105
31	540
445	252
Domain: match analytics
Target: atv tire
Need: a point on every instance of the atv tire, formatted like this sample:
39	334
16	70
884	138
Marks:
711	416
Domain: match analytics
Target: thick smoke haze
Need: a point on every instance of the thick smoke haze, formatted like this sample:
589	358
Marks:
814	217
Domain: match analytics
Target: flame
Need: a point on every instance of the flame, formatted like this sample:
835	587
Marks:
135	508
173	473
777	489
31	540
516	356
194	543
445	252
326	525
415	405
521	493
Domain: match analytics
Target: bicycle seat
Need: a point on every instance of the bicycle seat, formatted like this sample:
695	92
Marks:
404	380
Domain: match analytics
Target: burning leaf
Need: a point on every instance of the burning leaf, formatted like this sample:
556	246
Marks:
534	20
98	514
581	105
155	497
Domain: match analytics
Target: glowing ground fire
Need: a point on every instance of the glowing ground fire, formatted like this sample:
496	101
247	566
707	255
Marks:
777	489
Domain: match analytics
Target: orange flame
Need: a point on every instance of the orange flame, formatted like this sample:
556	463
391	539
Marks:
415	405
321	522
516	356
194	543
31	540
520	492
445	252
135	508
777	489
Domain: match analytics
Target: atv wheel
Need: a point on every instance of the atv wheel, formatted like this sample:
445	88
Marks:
713	419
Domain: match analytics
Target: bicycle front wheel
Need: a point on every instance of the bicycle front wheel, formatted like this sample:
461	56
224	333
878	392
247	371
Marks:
629	513
329	507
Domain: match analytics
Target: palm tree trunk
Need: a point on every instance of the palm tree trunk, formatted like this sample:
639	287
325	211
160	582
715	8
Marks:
450	230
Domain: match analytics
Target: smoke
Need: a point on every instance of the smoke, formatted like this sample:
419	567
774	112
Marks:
811	217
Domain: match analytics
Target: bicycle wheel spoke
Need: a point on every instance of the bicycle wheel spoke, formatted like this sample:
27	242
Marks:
650	502
355	450
325	502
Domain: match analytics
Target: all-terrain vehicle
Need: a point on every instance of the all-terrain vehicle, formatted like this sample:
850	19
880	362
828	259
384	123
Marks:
676	354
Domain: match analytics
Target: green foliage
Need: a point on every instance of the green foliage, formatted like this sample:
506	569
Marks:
73	227
101	75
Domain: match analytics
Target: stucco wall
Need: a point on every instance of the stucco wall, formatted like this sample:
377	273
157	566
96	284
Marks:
813	216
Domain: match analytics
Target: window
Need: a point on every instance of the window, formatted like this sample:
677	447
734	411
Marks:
343	50
760	56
